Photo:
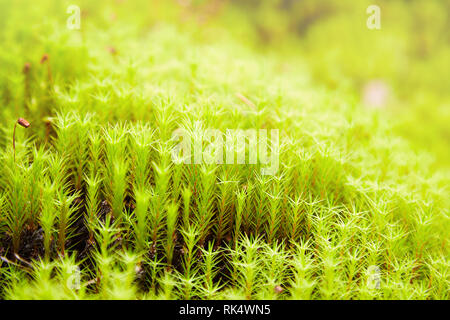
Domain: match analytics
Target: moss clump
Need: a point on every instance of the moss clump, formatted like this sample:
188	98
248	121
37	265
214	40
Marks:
94	207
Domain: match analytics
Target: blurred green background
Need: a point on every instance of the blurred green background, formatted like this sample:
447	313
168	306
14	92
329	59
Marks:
400	70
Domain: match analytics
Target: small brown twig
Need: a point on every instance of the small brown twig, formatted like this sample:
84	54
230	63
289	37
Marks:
24	123
26	268
246	101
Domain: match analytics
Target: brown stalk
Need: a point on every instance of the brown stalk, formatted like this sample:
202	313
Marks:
27	90
24	123
46	58
48	128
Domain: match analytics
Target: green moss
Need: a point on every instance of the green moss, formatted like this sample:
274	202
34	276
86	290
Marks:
122	220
